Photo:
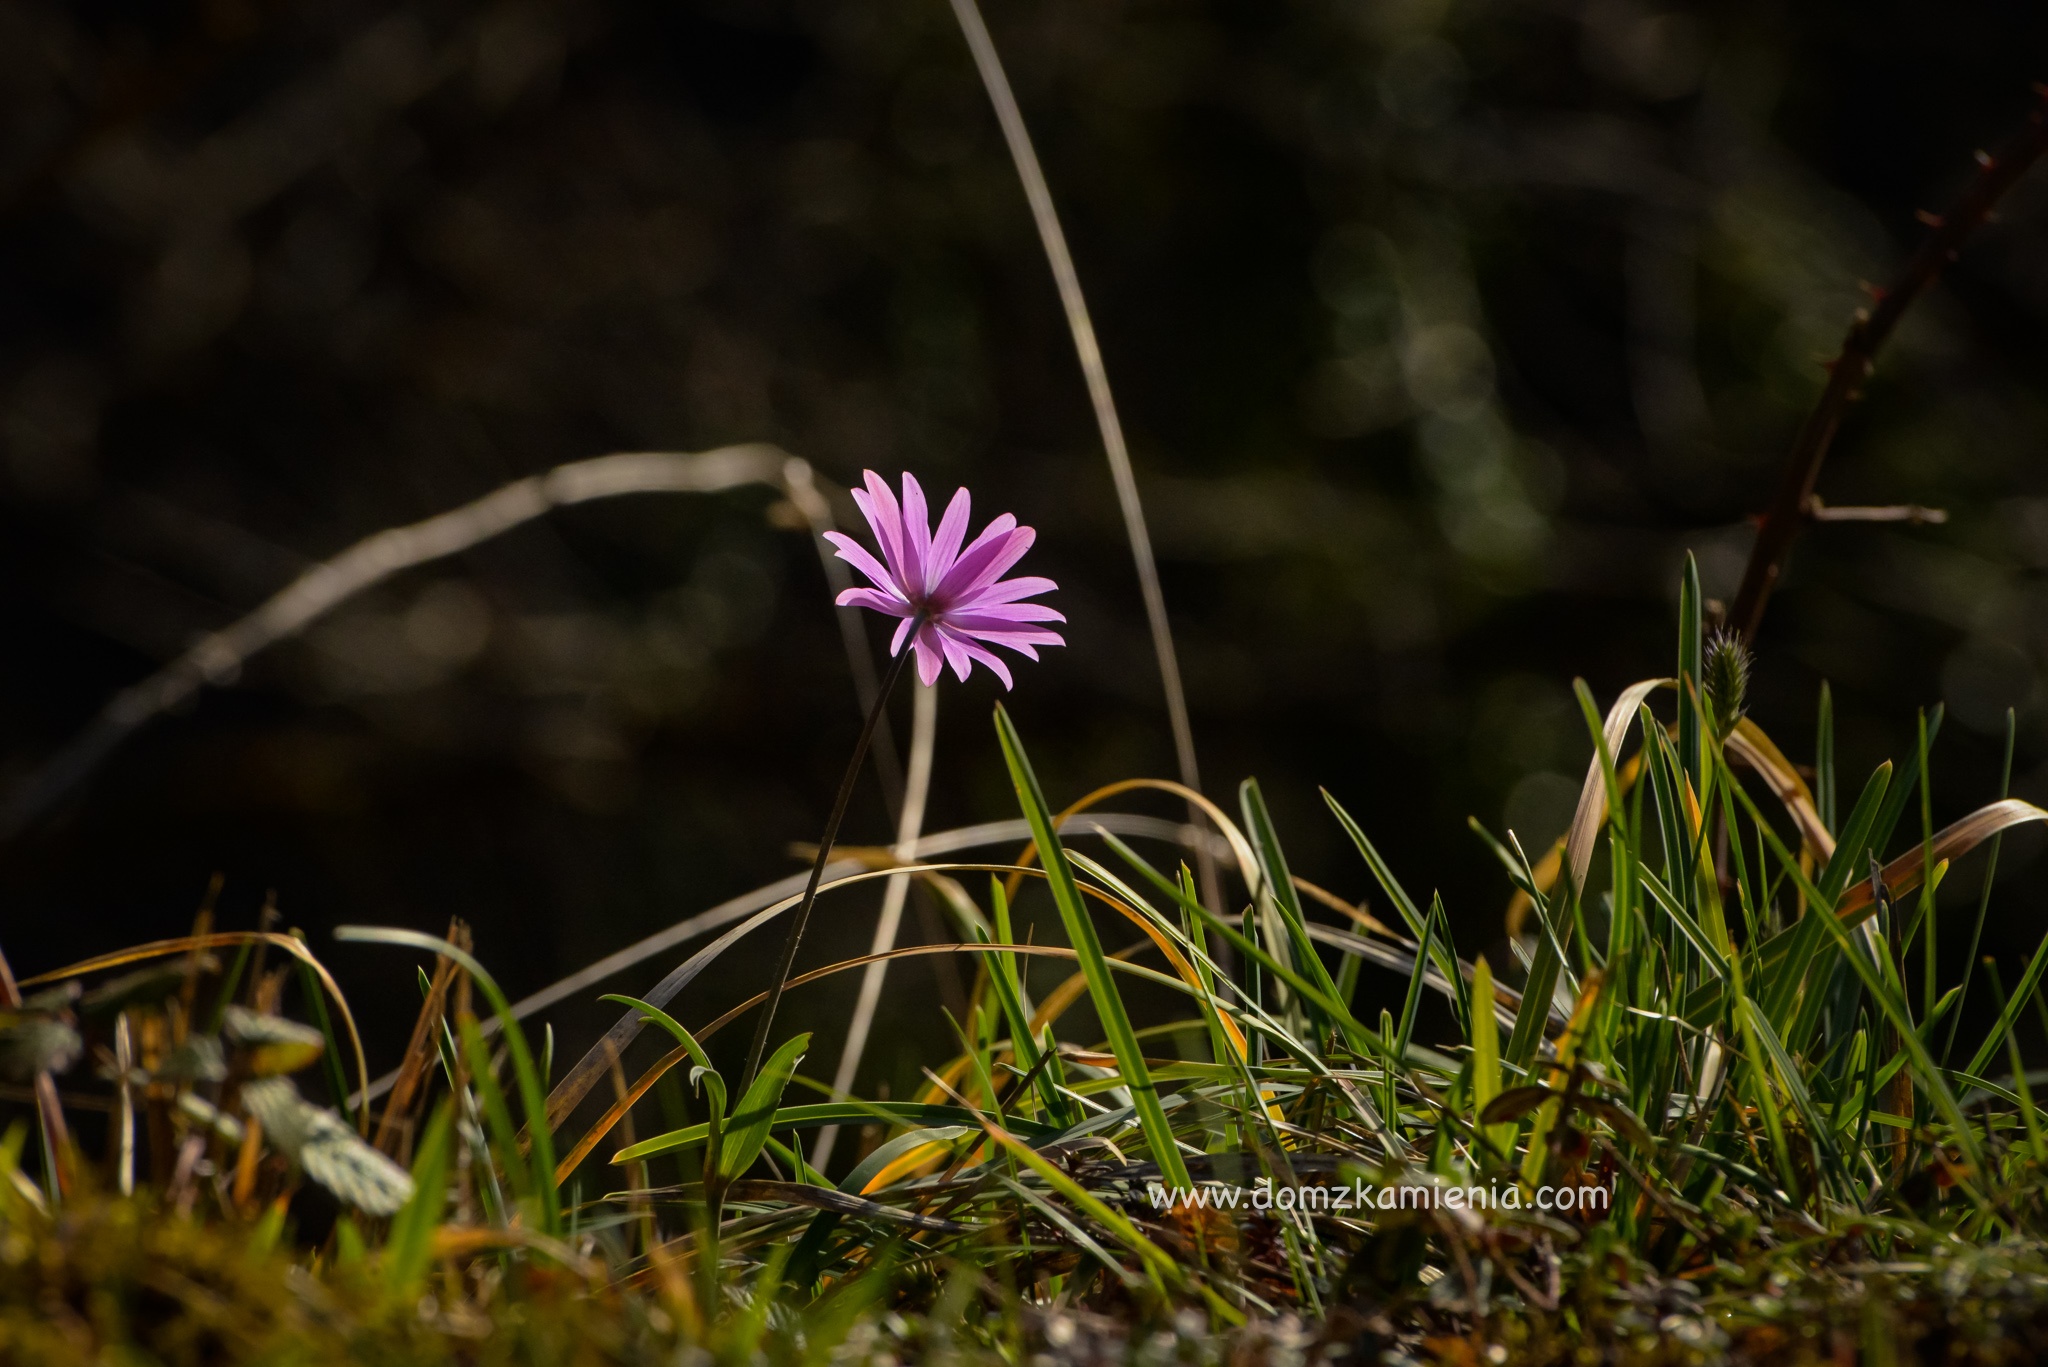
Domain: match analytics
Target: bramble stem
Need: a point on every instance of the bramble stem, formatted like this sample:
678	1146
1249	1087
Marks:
803	908
1792	507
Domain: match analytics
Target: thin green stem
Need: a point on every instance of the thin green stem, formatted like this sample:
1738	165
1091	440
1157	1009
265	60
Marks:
1955	1015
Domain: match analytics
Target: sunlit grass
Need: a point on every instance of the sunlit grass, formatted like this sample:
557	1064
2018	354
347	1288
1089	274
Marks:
1728	1015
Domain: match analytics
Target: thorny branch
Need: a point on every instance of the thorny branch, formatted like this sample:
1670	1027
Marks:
1794	505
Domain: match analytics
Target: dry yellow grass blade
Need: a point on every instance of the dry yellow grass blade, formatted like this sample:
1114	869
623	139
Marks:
1592	808
1903	874
1061	998
879	859
1351	910
459	1242
610	1119
1746	744
1751	746
423	1048
1240	848
157	949
910	1165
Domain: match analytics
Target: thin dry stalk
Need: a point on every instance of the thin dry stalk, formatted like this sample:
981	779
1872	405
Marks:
124	1111
49	1107
218	658
577	1082
924	727
424	1046
1054	239
803	494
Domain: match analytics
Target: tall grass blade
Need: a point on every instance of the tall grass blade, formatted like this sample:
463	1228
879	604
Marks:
754	1117
1824	758
410	1247
1087	945
1984	896
1691	754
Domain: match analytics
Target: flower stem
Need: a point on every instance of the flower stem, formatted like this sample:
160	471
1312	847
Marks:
803	908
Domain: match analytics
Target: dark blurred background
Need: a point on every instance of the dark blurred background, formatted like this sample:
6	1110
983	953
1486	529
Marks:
1441	328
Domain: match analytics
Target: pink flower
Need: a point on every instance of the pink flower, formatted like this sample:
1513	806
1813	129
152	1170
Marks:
956	598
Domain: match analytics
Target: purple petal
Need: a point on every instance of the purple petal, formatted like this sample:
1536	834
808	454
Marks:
988	544
917	535
1005	554
856	555
896	645
946	544
999	616
879	504
930	660
995	666
1010	590
956	656
877	600
1021	641
969	651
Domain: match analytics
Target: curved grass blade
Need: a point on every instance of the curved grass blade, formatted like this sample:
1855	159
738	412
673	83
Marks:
1594	797
805	1116
187	944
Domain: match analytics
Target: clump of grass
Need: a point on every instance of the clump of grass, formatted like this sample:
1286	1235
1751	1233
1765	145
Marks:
1727	1016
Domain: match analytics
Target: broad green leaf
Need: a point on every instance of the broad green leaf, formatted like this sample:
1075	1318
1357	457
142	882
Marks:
749	1127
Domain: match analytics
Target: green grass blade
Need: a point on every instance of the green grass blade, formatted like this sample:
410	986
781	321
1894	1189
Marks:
810	1115
1691	756
533	1097
1824	759
1984	896
330	1055
714	1082
1535	1012
1087	944
409	1249
2023	1092
1486	1076
1383	874
1279	886
497	1115
2011	1011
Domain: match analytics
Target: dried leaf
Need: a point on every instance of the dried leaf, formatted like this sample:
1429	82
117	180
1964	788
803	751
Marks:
1592	808
1903	874
1748	743
324	1146
275	1045
198	1059
37	1044
1514	1103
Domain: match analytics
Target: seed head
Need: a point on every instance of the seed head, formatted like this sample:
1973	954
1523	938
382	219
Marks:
1726	685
